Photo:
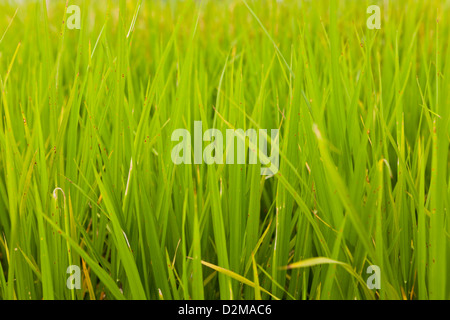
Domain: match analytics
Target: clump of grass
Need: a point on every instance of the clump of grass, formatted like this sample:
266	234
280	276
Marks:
86	176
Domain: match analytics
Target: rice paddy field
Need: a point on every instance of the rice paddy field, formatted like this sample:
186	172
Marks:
92	205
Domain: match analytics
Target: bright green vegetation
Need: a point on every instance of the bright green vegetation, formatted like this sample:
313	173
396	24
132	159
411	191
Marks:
364	150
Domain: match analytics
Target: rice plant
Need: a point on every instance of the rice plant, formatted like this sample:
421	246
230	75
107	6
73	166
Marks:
92	205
